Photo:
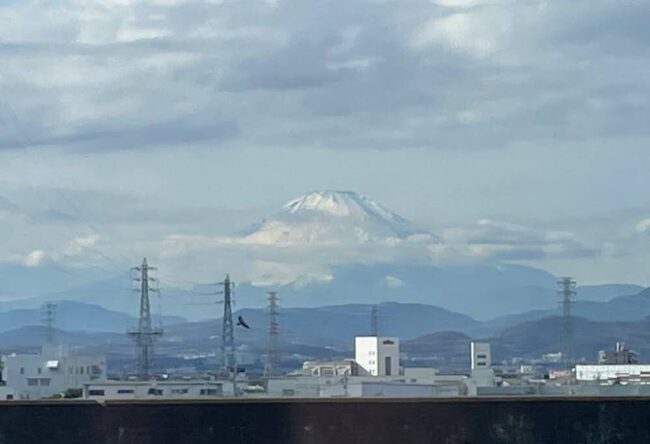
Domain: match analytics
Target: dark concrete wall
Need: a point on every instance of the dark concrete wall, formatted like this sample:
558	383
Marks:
450	421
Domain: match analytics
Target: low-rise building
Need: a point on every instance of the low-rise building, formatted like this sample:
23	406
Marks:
331	368
157	389
635	372
53	371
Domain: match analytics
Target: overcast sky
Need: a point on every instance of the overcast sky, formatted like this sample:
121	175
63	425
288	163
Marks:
521	126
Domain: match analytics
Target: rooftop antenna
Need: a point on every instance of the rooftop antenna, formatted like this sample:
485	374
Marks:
374	321
567	291
144	334
48	316
272	345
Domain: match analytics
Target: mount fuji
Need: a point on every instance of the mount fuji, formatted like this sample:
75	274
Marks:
326	248
334	218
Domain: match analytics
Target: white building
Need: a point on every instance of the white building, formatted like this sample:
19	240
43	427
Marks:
640	372
388	389
415	385
480	355
330	368
157	389
53	371
376	355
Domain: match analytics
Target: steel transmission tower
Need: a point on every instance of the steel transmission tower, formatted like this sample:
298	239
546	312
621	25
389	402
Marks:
374	321
567	291
272	345
145	333
227	331
48	316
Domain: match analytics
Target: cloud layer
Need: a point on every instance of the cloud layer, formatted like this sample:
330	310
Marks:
113	75
148	90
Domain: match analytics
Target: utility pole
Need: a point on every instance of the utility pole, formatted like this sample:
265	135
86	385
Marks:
229	362
567	292
374	321
272	345
48	316
145	333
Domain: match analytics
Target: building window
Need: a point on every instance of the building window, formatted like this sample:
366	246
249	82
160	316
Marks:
124	391
481	356
387	363
95	392
208	392
288	392
39	370
81	370
22	370
32	381
155	392
44	382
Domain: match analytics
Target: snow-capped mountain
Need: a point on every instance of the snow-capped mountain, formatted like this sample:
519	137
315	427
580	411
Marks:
333	217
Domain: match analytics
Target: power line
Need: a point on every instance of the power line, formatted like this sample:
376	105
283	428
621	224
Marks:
567	291
272	345
145	334
228	360
48	316
374	321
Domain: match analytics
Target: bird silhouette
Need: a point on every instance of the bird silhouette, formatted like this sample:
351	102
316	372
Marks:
242	322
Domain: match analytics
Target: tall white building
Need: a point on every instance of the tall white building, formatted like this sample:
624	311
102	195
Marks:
54	370
480	355
376	355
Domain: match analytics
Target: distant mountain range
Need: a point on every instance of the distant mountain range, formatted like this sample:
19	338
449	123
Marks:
430	335
419	302
505	293
76	316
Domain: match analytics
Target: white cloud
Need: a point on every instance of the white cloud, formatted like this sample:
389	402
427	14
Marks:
463	31
643	226
34	258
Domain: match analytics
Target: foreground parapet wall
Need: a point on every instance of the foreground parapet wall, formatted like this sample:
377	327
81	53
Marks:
377	421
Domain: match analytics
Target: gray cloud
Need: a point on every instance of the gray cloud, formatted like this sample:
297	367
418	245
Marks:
85	80
366	74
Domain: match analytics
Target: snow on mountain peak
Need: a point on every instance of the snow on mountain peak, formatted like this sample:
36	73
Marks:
336	203
332	217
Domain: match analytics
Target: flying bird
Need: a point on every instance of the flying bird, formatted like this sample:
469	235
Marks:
242	322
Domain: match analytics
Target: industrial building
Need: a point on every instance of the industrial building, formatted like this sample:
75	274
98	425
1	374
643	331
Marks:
345	367
53	371
638	372
378	356
620	355
157	389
